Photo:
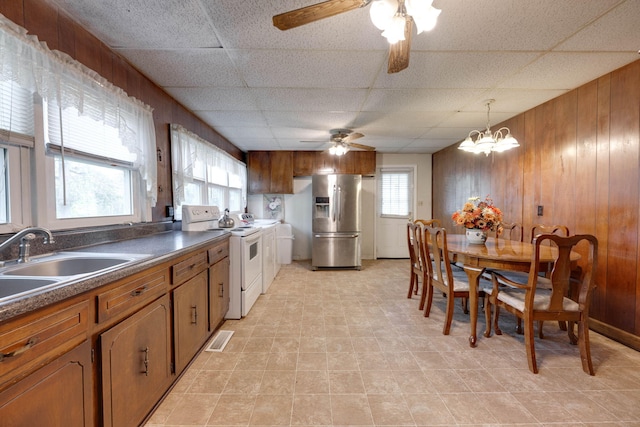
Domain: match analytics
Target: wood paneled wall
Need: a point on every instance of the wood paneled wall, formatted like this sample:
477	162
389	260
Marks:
60	32
580	159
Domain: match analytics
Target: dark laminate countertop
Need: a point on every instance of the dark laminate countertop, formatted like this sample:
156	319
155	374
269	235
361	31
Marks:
160	247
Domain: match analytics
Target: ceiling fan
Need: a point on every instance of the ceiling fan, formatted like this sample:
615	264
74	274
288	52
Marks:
396	17
341	140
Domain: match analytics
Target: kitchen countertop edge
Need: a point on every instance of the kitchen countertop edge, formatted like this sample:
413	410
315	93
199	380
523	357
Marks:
160	247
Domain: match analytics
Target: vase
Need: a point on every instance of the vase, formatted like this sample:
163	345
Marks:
475	236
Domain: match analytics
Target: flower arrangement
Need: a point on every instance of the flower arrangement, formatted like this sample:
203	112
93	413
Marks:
481	214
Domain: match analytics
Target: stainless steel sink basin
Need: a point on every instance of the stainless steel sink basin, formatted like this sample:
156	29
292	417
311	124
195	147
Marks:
64	264
13	286
51	270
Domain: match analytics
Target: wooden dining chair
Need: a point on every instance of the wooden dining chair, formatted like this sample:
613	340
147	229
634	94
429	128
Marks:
432	222
560	230
451	282
416	270
510	231
530	302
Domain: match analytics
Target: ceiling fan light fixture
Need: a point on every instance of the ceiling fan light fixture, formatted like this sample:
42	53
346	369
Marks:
486	141
395	31
427	22
338	150
382	12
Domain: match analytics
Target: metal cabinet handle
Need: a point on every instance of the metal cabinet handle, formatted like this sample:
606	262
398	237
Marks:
17	352
194	315
139	291
221	290
146	361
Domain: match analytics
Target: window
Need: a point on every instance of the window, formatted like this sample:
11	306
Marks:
83	150
16	138
396	192
205	175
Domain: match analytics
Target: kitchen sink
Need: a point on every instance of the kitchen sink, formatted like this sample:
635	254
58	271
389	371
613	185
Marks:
13	286
63	264
17	279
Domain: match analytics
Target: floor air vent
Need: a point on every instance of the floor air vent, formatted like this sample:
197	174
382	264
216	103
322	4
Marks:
219	341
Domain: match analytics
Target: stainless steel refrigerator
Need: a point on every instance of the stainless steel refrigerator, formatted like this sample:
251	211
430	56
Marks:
336	221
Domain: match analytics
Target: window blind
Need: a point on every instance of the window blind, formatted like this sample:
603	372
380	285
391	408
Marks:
396	189
16	114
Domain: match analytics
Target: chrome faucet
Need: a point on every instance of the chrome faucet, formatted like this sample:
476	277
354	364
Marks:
26	236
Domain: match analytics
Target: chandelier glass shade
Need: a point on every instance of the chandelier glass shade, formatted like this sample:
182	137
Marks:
390	16
487	141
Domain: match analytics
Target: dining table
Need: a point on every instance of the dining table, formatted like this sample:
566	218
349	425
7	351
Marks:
495	253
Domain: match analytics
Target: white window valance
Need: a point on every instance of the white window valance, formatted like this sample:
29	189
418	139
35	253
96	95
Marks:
196	158
64	82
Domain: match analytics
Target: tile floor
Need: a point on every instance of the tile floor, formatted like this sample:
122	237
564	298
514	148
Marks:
334	348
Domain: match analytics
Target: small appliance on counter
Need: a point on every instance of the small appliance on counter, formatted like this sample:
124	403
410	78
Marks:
226	221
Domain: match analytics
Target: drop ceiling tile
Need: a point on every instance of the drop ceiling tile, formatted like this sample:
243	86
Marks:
186	67
314	120
300	99
512	99
515	25
245	132
242	25
421	119
567	70
456	69
256	144
307	68
300	133
159	24
214	98
617	30
233	118
419	99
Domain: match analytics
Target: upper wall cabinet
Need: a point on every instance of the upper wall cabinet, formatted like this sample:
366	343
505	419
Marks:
270	172
273	171
306	163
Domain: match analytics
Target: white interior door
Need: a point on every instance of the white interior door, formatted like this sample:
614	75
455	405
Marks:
396	205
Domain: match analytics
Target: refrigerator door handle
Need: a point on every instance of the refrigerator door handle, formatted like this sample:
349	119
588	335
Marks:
339	200
348	236
334	203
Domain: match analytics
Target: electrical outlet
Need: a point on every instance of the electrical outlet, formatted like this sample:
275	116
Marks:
540	209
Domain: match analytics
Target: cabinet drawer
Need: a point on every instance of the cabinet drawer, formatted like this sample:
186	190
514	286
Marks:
40	337
218	252
189	267
132	294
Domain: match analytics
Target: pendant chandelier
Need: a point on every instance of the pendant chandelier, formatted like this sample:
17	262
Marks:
390	16
486	141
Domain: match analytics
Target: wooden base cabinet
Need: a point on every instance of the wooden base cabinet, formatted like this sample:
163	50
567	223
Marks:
190	318
60	394
136	364
218	292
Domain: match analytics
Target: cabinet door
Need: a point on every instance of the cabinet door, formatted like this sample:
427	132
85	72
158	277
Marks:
281	172
218	292
259	172
136	364
190	317
60	394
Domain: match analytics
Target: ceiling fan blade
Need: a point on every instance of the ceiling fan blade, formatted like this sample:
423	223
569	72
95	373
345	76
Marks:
399	52
361	146
306	15
352	136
